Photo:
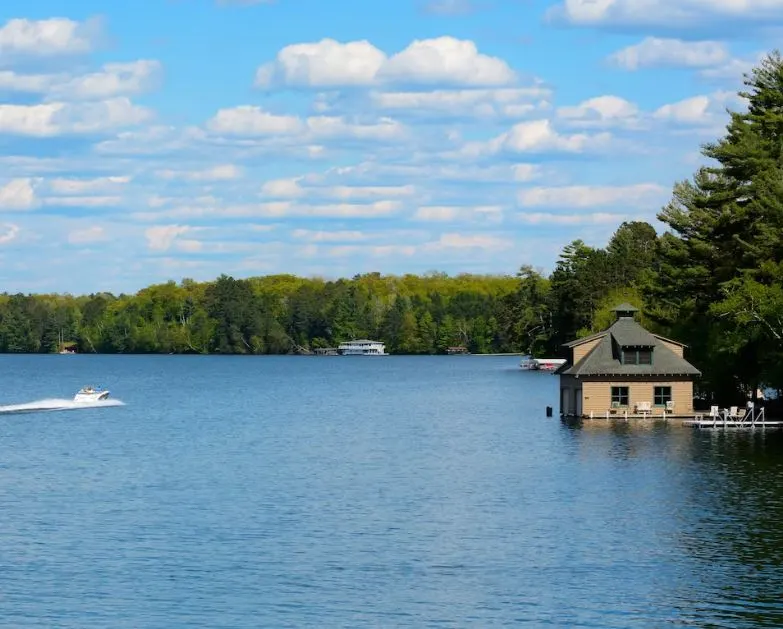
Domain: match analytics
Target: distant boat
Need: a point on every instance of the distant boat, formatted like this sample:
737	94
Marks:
529	363
362	347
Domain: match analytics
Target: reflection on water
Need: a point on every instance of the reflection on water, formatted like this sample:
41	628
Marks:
408	492
722	496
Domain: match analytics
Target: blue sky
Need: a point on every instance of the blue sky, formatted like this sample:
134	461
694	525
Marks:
197	137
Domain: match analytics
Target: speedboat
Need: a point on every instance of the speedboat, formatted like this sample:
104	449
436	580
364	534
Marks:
91	394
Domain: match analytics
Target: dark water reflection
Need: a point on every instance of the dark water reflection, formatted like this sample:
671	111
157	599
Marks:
719	534
400	492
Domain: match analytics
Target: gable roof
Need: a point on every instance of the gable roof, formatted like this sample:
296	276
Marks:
604	358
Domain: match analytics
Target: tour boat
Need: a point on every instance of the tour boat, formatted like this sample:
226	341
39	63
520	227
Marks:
91	394
541	364
362	347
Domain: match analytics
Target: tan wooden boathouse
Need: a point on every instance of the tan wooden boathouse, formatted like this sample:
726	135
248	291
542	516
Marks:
626	370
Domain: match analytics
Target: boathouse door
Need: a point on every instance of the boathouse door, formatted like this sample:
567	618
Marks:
564	410
578	402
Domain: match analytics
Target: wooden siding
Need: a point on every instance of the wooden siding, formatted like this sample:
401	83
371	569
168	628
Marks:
597	395
677	349
580	351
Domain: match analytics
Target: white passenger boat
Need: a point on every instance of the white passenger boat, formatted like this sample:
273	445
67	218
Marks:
91	394
541	364
362	347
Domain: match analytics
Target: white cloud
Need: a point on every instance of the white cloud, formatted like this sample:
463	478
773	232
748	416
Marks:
114	79
275	209
592	218
483	103
329	63
249	120
363	192
324	63
161	237
28	83
221	172
451	213
85	186
283	188
55	36
732	71
592	196
85	201
52	119
692	110
94	233
9	233
669	14
338	127
536	136
475	241
331	236
602	111
18	194
654	52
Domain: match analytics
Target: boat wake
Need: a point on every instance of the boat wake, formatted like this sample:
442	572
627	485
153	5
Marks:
55	404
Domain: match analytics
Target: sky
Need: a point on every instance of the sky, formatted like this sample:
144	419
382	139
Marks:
157	140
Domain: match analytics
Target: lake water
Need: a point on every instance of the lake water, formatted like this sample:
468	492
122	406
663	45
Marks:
239	492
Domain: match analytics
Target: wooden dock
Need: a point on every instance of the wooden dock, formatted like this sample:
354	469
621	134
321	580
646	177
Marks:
716	419
734	419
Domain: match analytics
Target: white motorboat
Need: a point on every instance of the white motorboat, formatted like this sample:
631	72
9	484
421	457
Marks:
362	347
529	363
91	394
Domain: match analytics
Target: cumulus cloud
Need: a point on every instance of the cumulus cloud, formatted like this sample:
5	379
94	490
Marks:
18	194
534	137
57	118
67	186
481	103
221	172
113	79
41	38
8	232
589	218
91	234
668	15
655	52
283	188
592	196
161	237
707	111
438	61
470	241
252	121
451	213
601	111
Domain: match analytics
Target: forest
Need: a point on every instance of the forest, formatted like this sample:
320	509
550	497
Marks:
713	279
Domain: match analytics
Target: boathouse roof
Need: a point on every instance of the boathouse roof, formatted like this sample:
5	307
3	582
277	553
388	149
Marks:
605	358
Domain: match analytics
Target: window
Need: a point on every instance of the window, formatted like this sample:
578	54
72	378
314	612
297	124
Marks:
662	395
619	396
630	356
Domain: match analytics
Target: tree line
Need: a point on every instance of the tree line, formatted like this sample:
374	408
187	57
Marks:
713	279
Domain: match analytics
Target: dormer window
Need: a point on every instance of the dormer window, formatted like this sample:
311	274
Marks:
636	356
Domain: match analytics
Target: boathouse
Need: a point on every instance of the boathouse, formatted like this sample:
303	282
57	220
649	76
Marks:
626	370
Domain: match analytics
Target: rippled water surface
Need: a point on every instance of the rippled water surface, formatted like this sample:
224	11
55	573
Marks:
245	492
